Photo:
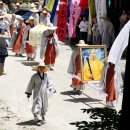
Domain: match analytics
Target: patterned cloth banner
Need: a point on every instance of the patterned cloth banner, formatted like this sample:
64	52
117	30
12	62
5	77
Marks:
75	12
61	24
54	10
50	4
91	12
83	3
101	11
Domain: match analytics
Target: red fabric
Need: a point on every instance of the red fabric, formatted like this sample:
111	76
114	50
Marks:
11	29
83	3
18	41
61	24
110	89
50	53
29	48
76	82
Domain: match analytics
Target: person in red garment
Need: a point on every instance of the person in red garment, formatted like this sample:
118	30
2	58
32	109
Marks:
18	47
49	46
75	69
29	48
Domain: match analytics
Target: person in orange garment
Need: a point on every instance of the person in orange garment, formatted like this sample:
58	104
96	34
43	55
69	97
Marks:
18	48
75	69
94	71
49	46
29	48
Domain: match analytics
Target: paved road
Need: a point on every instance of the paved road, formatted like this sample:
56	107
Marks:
64	106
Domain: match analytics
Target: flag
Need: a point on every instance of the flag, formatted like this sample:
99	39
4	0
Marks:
75	12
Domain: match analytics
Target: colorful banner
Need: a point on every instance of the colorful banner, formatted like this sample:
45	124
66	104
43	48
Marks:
92	12
83	3
54	10
75	12
50	4
62	16
101	11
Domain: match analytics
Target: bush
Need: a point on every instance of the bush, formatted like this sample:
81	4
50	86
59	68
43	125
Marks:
103	119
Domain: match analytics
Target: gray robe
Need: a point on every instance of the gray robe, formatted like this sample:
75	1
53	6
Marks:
108	34
40	90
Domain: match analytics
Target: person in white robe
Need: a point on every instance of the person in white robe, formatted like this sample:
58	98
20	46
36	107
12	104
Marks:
119	45
41	85
49	48
45	17
35	15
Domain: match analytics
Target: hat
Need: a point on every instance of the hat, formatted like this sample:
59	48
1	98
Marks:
2	16
44	12
30	18
34	10
50	26
81	43
19	17
1	2
32	5
41	64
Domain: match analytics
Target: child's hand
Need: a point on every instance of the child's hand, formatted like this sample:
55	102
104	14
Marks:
28	95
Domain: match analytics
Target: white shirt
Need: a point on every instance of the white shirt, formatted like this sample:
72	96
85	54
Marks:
84	26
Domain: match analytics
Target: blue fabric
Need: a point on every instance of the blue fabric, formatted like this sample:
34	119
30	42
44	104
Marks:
68	10
2	28
86	12
54	10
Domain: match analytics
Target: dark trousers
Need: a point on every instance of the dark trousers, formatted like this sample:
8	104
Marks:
2	60
83	36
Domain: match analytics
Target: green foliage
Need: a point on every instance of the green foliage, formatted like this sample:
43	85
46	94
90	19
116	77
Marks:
102	119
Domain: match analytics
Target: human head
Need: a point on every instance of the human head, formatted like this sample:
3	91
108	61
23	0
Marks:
51	28
20	19
13	16
92	54
84	18
41	68
30	20
44	13
1	4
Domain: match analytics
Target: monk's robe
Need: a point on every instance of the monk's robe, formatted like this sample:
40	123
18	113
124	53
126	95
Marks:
96	67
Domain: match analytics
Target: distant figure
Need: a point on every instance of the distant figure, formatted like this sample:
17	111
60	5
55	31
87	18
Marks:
75	69
123	19
108	33
96	34
40	83
3	48
92	69
84	27
45	17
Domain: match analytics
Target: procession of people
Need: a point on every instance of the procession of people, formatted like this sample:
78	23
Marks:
16	33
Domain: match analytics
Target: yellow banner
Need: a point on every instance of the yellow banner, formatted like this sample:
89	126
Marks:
49	6
92	11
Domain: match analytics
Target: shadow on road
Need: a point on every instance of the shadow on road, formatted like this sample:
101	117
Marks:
70	93
30	123
29	63
77	100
